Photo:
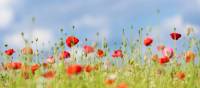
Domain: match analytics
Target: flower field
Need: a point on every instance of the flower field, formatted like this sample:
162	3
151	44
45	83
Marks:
76	63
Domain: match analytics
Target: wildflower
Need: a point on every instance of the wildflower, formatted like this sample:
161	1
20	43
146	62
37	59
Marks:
88	68
64	54
155	58
122	85
175	35
25	71
49	74
50	60
26	68
27	51
189	30
180	75
34	68
100	53
9	52
117	53
15	65
94	44
25	75
71	41
189	56
88	49
107	64
74	69
169	52
110	79
178	64
163	60
45	65
148	41
159	71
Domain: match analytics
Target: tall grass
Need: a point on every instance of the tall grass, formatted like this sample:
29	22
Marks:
136	69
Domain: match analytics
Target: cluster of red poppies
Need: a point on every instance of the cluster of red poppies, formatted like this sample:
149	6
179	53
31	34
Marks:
168	53
72	41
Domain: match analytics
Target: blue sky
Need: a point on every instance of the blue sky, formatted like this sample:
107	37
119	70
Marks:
108	17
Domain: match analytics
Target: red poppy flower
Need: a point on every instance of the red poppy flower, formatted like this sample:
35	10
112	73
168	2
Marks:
74	69
117	53
50	60
71	41
180	75
122	85
88	49
64	54
49	74
100	53
163	60
175	36
88	68
15	65
34	68
9	52
148	41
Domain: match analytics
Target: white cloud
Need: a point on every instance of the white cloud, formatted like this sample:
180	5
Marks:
4	2
6	17
6	12
168	24
44	36
91	21
14	40
178	22
99	23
